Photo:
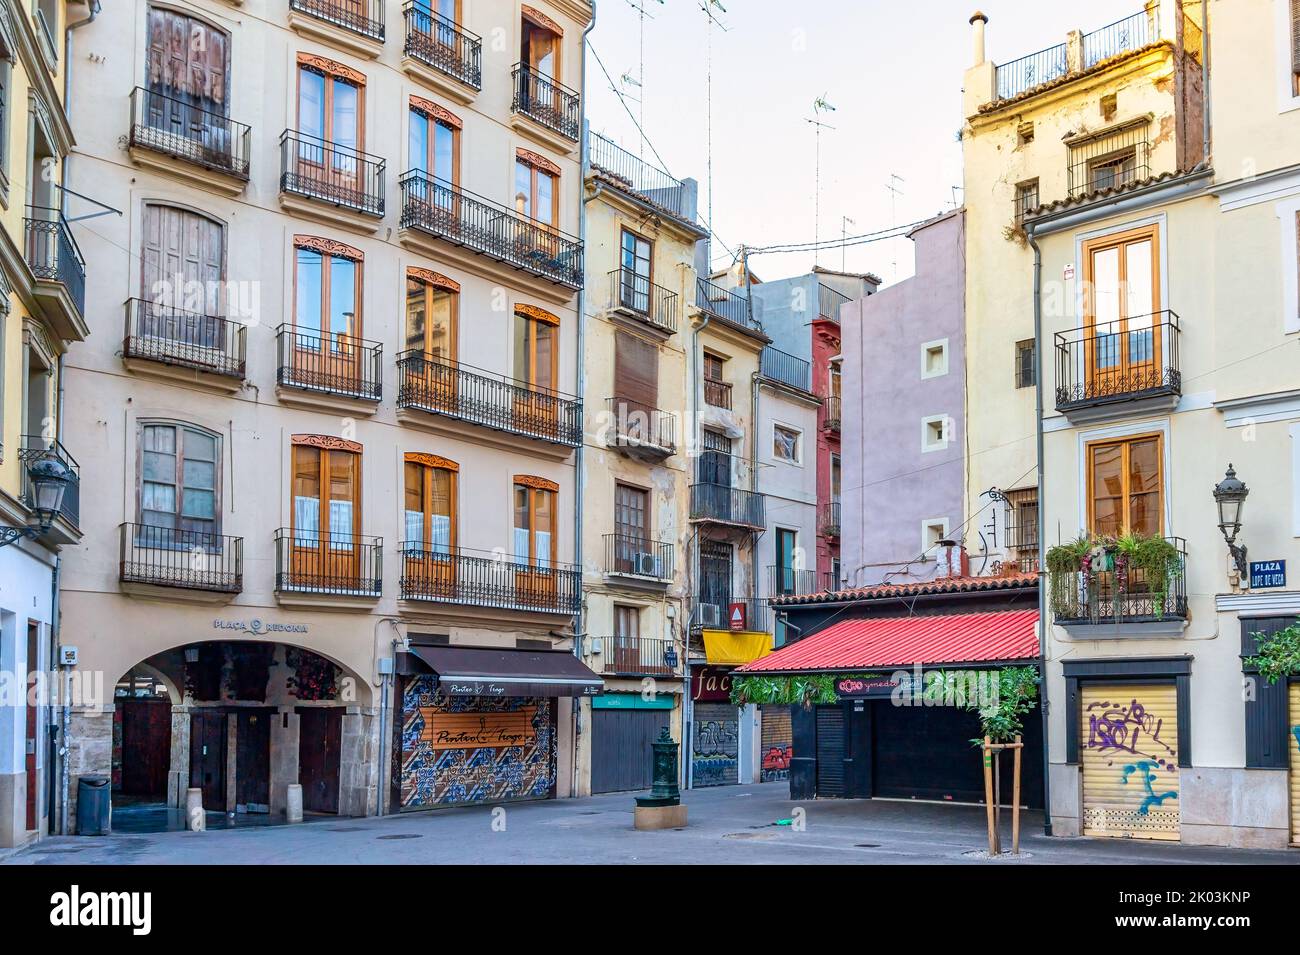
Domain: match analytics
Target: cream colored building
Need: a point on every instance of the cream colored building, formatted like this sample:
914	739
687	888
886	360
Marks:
331	407
42	283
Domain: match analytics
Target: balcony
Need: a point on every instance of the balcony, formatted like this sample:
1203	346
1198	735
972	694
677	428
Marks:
1108	160
725	305
354	25
484	579
331	565
713	612
548	103
832	405
640	557
828	518
440	53
1131	33
635	296
60	271
1118	368
637	656
722	504
330	371
184	341
648	183
1116	596
717	393
444	211
640	431
169	557
829	301
331	181
789	581
434	385
1032	71
200	146
787	369
33	448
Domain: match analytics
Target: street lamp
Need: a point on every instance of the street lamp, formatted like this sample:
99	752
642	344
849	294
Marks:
1230	494
49	478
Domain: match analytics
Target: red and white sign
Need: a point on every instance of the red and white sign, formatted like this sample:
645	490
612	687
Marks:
736	616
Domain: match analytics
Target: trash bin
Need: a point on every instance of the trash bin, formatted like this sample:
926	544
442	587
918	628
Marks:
94	806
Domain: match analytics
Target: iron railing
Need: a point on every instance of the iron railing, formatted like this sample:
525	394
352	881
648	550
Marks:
448	212
308	561
829	301
828	518
175	336
482	579
724	304
786	368
727	505
332	364
1033	70
648	182
638	556
434	40
717	393
33	448
546	100
52	253
640	427
1120	594
365	17
172	557
832	408
1109	160
637	656
630	292
1131	33
173	127
713	612
791	581
436	385
331	172
1121	360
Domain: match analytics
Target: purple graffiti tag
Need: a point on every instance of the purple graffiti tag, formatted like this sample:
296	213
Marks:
1121	728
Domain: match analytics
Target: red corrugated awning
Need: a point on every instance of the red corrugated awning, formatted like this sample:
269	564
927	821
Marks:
904	641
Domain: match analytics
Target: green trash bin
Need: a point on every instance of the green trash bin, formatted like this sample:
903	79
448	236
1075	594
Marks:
94	806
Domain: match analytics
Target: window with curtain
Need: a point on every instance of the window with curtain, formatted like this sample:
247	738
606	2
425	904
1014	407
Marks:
430	508
179	467
326	497
534	539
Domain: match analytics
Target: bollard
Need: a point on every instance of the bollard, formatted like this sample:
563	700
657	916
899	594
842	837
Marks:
195	818
293	803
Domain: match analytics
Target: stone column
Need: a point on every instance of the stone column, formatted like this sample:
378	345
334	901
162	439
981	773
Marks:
232	738
353	759
285	736
90	750
178	768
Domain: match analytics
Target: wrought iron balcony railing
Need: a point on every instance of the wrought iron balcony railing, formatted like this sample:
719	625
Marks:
832	408
638	557
638	656
481	579
329	364
632	174
1033	70
1131	33
438	42
53	255
33	448
786	368
828	518
790	581
175	336
717	393
1123	360
435	385
312	562
547	101
712	611
723	504
445	211
1109	160
638	296
172	557
173	127
829	301
639	428
318	169
1120	595
725	304
365	17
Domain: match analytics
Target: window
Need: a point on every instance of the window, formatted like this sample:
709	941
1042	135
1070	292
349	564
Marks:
178	480
933	531
836	378
6	109
534	542
717	392
1022	522
188	78
536	352
327	312
432	303
786	560
934	433
1026	367
934	358
636	386
835	479
330	128
786	444
1121	310
1295	47
1109	105
1025	133
631	531
539	50
47	15
537	195
435	144
430	504
836	578
715	579
326	494
1126	486
634	272
1113	171
1026	199
715	458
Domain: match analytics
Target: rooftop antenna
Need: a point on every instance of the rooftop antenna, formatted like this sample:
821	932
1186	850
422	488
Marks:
639	7
845	222
820	105
708	6
894	187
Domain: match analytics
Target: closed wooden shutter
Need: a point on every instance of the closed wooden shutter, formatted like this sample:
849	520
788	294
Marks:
187	60
1129	753
1294	744
181	247
1295	37
636	370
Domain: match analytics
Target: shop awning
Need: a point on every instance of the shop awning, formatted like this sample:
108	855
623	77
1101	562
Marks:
904	641
476	671
734	647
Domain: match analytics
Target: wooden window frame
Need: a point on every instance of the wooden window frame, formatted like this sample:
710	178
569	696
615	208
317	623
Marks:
530	343
428	464
328	250
435	115
534	171
535	490
1118	240
623	232
1023	380
534	18
325	447
1126	441
432	283
178	427
331	71
645	530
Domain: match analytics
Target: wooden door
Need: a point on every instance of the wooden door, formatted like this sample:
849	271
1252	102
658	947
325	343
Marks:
327	348
329	117
430	532
182	278
1122	305
627	639
146	747
631	522
431	332
208	757
326	517
320	736
187	68
635	274
31	733
253	760
537	358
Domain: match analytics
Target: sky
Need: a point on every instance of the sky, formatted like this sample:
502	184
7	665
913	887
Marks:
892	72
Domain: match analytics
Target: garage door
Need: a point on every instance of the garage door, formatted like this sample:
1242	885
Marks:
715	745
1294	744
830	751
777	737
621	757
1130	760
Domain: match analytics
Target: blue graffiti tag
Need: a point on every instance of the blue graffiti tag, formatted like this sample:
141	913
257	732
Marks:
1295	731
1148	777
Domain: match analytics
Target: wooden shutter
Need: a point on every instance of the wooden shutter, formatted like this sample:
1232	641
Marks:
636	370
187	59
1295	37
182	244
1129	756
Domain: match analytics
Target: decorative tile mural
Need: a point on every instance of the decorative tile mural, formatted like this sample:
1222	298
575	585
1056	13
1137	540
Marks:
473	749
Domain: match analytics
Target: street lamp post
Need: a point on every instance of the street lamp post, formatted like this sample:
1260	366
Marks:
1230	495
49	478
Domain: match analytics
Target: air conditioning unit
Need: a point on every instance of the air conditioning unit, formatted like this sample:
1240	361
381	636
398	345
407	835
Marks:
710	615
646	564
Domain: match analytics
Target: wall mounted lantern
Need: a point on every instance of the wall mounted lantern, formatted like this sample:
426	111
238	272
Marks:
49	479
1230	494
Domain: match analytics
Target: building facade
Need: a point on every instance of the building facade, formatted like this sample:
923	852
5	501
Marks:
42	313
335	424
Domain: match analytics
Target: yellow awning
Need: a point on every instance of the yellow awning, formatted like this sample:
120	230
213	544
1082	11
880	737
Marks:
735	647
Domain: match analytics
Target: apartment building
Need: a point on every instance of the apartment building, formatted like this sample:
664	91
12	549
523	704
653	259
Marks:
640	259
334	424
42	313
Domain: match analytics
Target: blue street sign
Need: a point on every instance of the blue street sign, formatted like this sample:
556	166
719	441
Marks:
1267	573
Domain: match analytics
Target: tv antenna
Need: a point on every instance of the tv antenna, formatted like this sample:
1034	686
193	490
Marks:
845	222
895	189
820	105
639	7
708	6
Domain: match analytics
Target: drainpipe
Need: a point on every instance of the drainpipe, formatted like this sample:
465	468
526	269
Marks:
1042	537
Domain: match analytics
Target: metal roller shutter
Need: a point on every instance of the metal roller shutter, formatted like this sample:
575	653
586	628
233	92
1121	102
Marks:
1129	754
830	751
715	745
1293	743
777	738
621	757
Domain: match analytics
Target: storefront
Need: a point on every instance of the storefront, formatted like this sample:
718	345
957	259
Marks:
623	725
479	725
715	729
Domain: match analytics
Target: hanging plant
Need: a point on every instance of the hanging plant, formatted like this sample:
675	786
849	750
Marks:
810	690
1064	561
1277	656
1130	556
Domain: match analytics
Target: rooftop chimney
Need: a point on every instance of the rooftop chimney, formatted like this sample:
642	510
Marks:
977	22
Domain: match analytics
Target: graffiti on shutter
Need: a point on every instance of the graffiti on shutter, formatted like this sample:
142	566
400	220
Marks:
1129	754
777	743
